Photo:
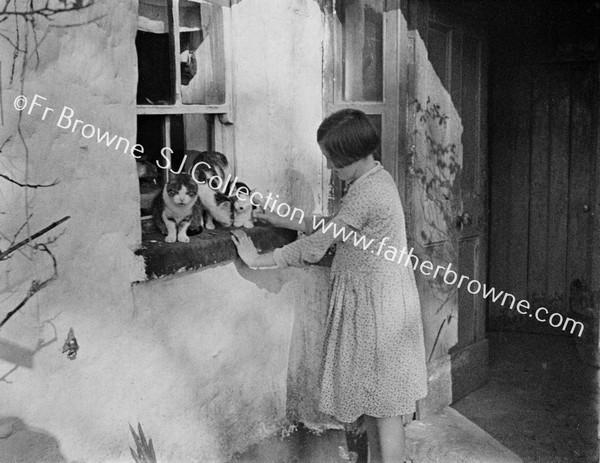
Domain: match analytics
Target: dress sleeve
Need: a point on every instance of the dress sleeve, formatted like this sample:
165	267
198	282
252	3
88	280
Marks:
310	249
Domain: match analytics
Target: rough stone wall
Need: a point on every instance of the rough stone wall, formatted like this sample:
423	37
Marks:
430	225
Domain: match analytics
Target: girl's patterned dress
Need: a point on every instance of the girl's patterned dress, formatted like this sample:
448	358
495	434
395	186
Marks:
374	355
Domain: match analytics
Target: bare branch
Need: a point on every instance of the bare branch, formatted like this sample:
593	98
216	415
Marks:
36	286
32	237
5	142
29	185
85	23
14	239
5	375
45	11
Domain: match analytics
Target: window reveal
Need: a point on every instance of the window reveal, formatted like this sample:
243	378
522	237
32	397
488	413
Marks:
183	84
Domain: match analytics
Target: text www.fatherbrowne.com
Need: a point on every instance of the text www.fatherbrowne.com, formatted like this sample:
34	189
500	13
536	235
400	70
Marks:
450	277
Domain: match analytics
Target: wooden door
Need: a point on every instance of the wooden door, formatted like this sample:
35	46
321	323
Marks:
469	369
544	147
447	194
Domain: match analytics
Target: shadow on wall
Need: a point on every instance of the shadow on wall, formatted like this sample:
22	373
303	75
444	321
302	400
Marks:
21	444
299	197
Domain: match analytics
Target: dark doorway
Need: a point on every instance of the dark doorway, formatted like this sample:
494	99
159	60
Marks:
544	206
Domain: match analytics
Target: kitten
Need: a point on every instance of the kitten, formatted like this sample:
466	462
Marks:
175	209
242	206
216	206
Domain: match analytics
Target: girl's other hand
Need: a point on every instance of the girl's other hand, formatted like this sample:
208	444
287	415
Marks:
245	247
271	218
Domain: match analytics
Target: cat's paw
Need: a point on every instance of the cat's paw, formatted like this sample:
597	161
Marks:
209	226
170	239
183	239
248	225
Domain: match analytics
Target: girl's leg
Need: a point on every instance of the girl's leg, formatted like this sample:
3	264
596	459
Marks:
387	444
373	437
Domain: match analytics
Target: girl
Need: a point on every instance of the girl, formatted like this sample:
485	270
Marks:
373	356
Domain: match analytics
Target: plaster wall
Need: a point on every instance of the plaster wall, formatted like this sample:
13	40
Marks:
278	99
200	360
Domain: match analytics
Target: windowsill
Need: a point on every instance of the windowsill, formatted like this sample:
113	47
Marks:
208	248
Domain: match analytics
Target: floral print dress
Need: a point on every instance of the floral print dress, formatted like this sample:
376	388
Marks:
373	355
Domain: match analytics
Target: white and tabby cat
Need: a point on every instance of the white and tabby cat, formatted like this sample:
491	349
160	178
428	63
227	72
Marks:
177	208
217	206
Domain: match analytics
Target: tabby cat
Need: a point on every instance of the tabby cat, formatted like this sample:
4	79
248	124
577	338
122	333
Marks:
177	208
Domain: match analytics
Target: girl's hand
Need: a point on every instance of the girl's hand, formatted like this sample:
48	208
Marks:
245	247
271	218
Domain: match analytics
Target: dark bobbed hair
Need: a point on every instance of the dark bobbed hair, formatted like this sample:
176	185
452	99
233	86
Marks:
347	136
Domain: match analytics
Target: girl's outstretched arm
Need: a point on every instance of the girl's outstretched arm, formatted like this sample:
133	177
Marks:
291	223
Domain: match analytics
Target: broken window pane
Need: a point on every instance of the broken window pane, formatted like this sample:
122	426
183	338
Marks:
362	49
154	53
375	120
202	53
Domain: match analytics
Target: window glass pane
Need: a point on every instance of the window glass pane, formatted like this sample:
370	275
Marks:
375	120
154	54
362	49
198	129
202	53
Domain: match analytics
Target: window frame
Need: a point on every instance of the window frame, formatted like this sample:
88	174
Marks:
223	110
222	135
222	131
393	105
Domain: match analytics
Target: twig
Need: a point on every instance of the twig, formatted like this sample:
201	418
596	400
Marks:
32	237
5	142
14	239
1	102
29	185
84	23
35	287
5	375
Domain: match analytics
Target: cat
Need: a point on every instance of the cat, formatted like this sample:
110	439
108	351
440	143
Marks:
242	205
176	209
202	166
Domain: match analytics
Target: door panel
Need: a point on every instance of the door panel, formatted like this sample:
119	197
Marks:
473	235
543	163
539	185
467	302
556	239
584	120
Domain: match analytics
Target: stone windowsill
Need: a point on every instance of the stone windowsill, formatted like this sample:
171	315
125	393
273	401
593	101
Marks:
208	248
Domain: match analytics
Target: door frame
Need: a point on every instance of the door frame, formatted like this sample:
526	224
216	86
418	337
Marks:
462	370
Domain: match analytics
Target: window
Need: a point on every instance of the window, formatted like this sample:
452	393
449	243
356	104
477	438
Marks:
184	104
184	86
362	62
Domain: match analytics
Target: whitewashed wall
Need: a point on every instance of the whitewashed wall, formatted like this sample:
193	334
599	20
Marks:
201	360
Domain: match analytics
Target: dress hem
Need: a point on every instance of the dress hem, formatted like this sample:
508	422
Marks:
400	412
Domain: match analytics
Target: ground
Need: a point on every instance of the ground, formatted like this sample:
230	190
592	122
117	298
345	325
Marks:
540	401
